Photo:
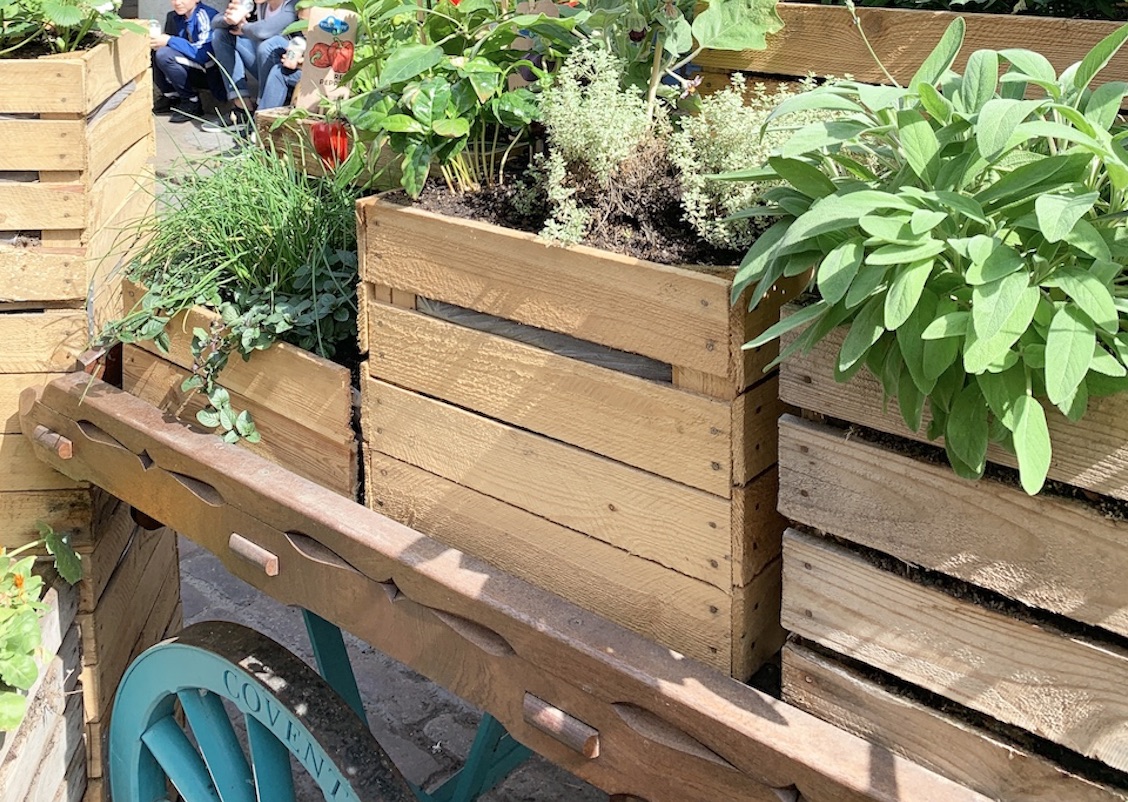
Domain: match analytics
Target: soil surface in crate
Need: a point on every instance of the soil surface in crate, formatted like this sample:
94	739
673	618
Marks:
649	227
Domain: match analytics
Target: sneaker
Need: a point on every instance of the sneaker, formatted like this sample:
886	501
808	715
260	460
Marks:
234	123
187	111
164	105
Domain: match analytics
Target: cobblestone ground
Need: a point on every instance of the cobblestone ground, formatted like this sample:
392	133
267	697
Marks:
425	730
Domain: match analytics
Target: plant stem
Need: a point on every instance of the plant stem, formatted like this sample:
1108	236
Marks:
869	47
655	77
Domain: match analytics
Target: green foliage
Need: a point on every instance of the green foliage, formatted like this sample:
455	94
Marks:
269	247
58	26
715	140
20	609
438	89
980	266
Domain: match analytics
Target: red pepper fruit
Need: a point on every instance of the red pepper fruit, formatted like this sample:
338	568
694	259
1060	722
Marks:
342	58
319	55
330	142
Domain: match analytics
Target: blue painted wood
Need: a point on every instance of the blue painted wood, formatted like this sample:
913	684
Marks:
288	702
270	759
219	746
333	660
180	761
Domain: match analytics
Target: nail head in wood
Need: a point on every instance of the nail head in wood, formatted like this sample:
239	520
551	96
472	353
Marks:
567	729
253	553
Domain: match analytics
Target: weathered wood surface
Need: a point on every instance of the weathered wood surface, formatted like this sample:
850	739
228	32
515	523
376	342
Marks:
114	534
1091	454
663	605
75	82
299	385
36	768
676	315
823	40
330	461
53	144
63	510
660	716
658	428
696	533
949	746
1066	689
42	342
1057	554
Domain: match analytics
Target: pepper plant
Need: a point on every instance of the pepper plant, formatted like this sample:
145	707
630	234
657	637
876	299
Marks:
968	231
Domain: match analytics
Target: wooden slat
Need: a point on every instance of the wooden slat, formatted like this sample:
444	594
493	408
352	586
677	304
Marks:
11	385
330	461
129	174
51	780
903	38
20	470
111	135
593	495
63	510
670	314
42	205
73	82
1052	553
678	435
1065	689
757	635
681	731
754	505
75	144
754	422
943	743
114	534
41	342
125	614
671	608
300	386
1092	454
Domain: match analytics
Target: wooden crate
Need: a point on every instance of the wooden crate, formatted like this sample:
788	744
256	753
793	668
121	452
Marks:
35	759
649	502
302	404
1025	617
902	38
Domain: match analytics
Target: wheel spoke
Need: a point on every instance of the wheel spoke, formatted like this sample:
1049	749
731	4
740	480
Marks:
274	780
219	745
180	761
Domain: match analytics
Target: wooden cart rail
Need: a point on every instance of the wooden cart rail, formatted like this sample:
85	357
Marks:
623	713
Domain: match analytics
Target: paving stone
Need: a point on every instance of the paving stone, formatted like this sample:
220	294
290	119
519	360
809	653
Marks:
451	733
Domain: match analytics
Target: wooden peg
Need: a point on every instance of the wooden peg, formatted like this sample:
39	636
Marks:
54	441
253	553
567	729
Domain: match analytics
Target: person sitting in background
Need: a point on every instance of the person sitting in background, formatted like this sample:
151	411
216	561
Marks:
189	47
245	46
283	76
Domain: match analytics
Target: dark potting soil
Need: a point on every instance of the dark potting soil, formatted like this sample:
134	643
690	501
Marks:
656	233
21	239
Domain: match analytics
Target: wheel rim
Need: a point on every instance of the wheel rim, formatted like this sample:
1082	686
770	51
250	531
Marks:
288	710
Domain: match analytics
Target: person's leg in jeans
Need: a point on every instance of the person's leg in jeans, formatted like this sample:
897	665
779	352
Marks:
269	55
236	57
277	86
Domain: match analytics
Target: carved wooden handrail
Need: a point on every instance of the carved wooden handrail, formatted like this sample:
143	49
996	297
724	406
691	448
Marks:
669	729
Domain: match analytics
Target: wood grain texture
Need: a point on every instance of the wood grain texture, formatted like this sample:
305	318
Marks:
756	631
331	461
134	610
63	510
903	39
11	385
42	205
75	144
973	757
128	174
73	82
1064	689
299	385
42	342
671	314
678	611
20	470
1091	454
1053	553
593	495
114	532
675	729
679	435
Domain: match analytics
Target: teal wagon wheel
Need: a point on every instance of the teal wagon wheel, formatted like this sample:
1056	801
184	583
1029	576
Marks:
288	710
